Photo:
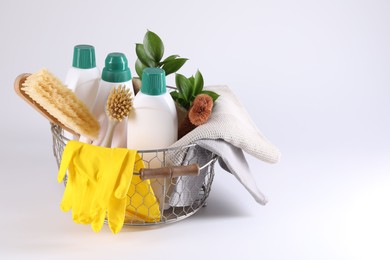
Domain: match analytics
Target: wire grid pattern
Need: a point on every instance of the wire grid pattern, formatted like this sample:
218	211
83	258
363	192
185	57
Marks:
161	200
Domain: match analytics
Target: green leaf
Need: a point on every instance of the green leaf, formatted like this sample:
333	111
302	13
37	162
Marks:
193	95
192	80
184	86
184	103
154	46
212	94
139	67
174	95
198	85
143	57
170	58
173	65
178	98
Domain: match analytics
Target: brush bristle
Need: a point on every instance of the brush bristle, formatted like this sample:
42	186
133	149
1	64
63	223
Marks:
119	103
201	109
59	101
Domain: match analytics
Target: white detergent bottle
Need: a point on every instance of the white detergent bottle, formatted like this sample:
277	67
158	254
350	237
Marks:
153	122
83	77
116	72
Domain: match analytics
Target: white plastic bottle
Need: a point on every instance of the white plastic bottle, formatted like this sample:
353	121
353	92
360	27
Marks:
116	72
83	77
153	122
153	125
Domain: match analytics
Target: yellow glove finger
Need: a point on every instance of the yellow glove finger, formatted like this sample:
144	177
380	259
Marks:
116	214
87	168
75	194
71	193
86	163
117	204
109	176
126	173
98	220
78	202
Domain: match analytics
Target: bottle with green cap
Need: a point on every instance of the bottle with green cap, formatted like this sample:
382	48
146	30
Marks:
153	122
83	77
115	72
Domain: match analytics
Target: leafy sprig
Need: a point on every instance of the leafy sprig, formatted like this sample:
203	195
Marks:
189	88
150	54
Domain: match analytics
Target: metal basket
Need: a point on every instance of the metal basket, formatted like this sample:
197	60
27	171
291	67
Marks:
178	192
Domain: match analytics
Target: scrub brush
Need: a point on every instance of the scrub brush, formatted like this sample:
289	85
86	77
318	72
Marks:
119	105
198	114
57	103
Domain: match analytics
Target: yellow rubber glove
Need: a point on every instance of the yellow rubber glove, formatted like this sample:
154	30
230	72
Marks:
117	204
111	197
141	200
97	176
79	187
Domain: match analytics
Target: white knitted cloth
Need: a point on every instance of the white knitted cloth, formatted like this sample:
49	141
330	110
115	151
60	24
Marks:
230	121
232	159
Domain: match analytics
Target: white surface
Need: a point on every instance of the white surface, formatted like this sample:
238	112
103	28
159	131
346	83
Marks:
313	74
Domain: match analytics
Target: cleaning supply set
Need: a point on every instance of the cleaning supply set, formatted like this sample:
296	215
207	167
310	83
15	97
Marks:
131	161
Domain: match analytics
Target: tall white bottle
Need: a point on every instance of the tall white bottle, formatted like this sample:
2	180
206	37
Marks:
153	125
116	72
153	122
83	77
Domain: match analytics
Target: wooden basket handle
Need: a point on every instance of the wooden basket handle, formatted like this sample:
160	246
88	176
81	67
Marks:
169	172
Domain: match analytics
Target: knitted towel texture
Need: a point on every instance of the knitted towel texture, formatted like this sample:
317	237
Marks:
231	123
227	133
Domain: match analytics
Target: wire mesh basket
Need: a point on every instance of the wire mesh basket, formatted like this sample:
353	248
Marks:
174	184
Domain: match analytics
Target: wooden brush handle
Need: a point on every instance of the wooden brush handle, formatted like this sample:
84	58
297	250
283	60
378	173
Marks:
18	89
169	172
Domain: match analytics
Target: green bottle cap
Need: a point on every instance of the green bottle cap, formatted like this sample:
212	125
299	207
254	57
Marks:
153	82
116	68
84	56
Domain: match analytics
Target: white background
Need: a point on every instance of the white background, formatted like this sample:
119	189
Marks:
315	77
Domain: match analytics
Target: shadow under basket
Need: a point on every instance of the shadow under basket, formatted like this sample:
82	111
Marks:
174	184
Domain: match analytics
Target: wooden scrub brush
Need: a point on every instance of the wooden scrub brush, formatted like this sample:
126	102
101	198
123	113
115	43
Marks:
57	103
198	114
119	105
